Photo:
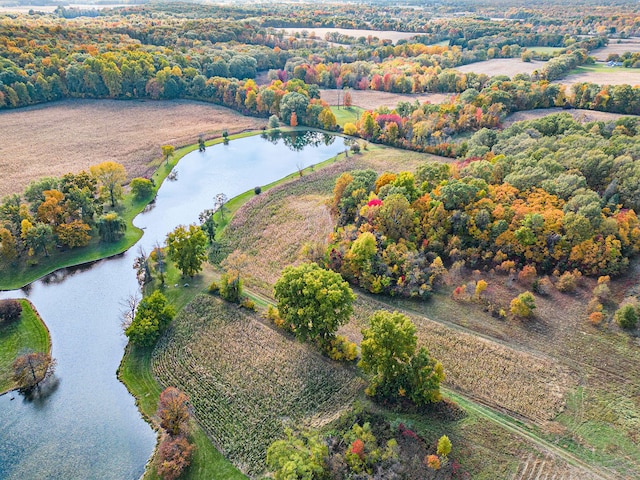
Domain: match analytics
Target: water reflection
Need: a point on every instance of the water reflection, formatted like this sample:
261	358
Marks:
297	141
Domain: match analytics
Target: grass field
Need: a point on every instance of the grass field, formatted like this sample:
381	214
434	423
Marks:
601	74
582	116
349	114
28	333
72	135
545	49
370	99
502	66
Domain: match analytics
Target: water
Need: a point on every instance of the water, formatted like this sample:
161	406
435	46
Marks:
87	426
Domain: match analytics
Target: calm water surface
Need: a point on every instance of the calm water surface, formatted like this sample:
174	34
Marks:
88	426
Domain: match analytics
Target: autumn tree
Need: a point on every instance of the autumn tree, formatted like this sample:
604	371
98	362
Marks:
74	234
152	317
347	101
444	446
31	369
388	353
110	176
173	411
111	227
523	305
10	311
167	151
313	302
174	456
187	247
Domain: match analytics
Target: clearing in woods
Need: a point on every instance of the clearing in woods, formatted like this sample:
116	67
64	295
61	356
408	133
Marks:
602	74
582	116
127	132
502	66
618	46
370	99
571	384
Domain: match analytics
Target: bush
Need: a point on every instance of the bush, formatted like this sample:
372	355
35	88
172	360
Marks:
523	305
355	148
213	287
596	318
10	311
627	317
274	122
248	304
566	282
257	190
527	275
340	349
231	287
141	188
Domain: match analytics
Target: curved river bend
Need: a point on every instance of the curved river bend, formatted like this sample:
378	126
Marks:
88	426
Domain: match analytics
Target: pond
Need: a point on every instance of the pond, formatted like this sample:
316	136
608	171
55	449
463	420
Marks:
87	424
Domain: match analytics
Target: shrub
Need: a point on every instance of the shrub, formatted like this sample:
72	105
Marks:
141	188
527	275
231	287
444	446
481	286
257	190
523	305
213	287
350	129
596	318
433	462
340	349
627	317
566	282
506	266
248	304
274	122
602	291
355	148
10	311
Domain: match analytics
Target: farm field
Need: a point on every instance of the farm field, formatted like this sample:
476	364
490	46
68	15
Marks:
502	66
603	75
127	132
381	34
545	49
583	116
570	383
618	46
370	99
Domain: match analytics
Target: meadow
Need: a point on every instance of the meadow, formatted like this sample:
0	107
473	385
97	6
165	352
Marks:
502	66
602	74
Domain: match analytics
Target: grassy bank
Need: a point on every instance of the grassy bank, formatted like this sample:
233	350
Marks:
19	273
30	333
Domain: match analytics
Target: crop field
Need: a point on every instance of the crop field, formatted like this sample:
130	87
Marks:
502	66
370	99
72	135
247	382
545	49
582	116
618	46
603	75
381	34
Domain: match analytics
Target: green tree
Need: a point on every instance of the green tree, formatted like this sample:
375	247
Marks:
187	246
167	151
388	353
111	176
141	188
293	102
313	302
153	315
298	457
444	446
627	317
208	224
31	369
38	236
111	227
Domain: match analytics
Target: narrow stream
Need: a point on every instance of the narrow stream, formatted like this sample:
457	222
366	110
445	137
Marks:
87	426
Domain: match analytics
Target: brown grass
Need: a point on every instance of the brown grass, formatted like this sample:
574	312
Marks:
582	116
617	76
72	135
502	66
625	45
370	99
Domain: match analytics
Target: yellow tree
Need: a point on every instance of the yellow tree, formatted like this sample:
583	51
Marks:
111	176
167	151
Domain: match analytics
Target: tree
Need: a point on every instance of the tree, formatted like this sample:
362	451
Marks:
347	100
38	236
313	302
10	311
627	317
31	369
174	455
159	259
8	247
444	446
111	227
173	411
141	188
74	234
201	145
167	151
293	102
298	457
293	122
187	246
274	122
219	205
111	176
152	317
388	352
523	305
208	224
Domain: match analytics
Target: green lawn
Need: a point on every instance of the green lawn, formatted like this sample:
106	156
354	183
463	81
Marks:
545	49
349	114
598	68
27	333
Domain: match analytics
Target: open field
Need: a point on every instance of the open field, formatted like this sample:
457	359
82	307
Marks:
574	385
545	49
247	382
349	114
53	139
30	333
618	46
502	66
381	34
582	116
370	99
603	75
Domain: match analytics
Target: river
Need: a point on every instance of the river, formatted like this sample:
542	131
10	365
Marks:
87	426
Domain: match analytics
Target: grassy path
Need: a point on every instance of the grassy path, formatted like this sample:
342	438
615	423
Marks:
30	333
